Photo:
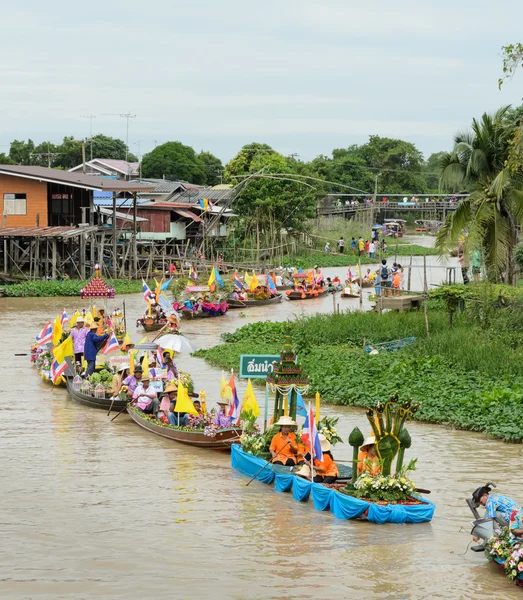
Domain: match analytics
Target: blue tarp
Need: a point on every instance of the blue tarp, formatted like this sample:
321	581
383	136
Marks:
324	498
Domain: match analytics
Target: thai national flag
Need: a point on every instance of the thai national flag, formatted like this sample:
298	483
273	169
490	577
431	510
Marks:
64	319
46	335
159	358
57	370
112	344
148	296
234	409
310	435
237	281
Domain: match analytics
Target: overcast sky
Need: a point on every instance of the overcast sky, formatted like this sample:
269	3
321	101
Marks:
305	76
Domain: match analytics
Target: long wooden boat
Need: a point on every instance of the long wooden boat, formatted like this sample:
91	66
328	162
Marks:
223	439
284	288
154	326
346	295
88	400
306	295
248	303
198	314
329	498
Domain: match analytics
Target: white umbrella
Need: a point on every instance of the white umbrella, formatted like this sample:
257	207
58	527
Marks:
174	342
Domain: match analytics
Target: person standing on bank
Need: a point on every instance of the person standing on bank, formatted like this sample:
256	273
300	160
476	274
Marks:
93	343
341	245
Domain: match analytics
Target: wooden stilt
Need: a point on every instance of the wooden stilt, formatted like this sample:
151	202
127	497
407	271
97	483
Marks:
115	266
54	272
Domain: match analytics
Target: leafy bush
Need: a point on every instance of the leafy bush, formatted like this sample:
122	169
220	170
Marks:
67	287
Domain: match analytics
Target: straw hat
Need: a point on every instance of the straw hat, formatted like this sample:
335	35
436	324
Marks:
152	361
222	402
170	388
146	378
368	442
304	471
122	367
324	443
80	320
285	421
94	325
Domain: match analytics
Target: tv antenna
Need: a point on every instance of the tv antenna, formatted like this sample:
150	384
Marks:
127	116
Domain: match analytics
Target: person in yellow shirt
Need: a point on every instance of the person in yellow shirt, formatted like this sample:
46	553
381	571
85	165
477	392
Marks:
367	457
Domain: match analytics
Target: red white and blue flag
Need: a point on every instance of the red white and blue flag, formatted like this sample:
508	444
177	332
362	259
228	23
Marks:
310	435
64	319
148	296
237	281
57	370
234	409
112	344
159	358
46	335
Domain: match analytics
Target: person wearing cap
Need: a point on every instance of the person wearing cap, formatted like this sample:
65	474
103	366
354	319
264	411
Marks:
145	397
122	373
92	343
494	503
78	335
283	448
132	381
326	469
222	419
367	457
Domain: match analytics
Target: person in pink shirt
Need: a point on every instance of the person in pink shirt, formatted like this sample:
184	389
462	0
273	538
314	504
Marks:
145	397
78	334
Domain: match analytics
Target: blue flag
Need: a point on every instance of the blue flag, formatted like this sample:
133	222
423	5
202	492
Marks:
218	278
300	405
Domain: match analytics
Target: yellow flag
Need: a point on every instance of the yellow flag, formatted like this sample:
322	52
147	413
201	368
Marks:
183	402
143	340
64	349
57	331
309	277
72	322
145	365
89	318
126	342
158	290
249	401
225	389
131	362
149	308
247	278
94	313
254	283
212	278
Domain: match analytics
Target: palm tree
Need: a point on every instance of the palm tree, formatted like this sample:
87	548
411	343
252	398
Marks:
494	208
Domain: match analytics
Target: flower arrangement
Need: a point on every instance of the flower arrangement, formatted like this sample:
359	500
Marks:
384	488
327	426
499	545
514	562
258	443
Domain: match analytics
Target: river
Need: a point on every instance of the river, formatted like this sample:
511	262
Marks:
93	509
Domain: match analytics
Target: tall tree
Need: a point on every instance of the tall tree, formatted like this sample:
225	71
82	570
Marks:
432	170
494	209
213	168
20	152
174	160
5	160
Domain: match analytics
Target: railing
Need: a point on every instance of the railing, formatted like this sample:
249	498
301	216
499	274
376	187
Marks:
389	206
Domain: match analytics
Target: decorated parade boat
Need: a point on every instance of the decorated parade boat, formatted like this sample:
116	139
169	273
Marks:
374	488
205	437
305	295
249	302
94	395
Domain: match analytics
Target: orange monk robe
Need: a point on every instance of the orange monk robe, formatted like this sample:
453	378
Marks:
286	450
326	467
373	469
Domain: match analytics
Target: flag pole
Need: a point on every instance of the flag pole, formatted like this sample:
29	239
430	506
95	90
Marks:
266	415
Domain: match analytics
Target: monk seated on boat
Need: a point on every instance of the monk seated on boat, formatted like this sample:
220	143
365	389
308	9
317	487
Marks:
367	457
283	448
222	419
145	397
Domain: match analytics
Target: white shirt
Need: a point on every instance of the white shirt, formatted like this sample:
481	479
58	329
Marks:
372	247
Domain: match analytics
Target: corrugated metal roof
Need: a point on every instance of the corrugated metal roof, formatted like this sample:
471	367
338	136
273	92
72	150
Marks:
122	216
120	202
192	196
188	215
63	231
87	182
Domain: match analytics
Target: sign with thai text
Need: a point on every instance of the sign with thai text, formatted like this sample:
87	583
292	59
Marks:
197	288
257	366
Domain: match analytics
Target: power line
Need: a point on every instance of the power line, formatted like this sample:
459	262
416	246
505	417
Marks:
127	116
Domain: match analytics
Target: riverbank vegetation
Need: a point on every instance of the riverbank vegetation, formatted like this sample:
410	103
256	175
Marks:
467	376
66	287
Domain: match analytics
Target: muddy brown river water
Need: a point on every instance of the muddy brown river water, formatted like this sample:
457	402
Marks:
98	510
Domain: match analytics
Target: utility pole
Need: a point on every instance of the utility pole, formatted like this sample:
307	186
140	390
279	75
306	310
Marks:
90	117
127	116
50	156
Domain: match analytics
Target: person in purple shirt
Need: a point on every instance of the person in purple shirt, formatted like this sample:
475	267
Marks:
133	380
78	334
222	419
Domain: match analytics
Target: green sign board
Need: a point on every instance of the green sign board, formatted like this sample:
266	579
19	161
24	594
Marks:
257	366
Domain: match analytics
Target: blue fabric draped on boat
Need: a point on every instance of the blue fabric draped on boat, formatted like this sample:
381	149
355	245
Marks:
324	498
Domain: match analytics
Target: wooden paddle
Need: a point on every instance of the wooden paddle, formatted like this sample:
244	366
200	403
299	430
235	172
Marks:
124	408
267	463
